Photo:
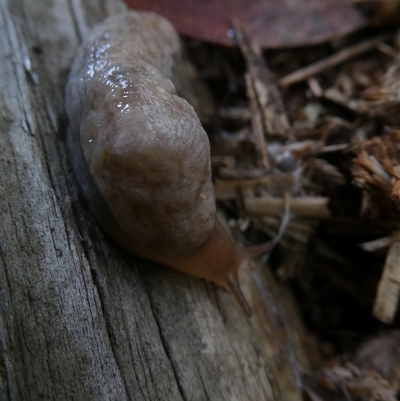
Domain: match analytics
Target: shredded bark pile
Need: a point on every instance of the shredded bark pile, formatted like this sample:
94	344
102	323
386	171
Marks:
306	153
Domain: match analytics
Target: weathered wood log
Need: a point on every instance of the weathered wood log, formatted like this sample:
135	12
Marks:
81	319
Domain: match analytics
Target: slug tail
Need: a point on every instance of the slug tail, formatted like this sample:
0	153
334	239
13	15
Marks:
232	284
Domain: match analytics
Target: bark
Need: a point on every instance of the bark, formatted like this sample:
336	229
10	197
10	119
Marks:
81	319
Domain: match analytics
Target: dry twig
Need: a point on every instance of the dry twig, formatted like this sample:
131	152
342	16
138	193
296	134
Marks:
265	86
305	206
387	297
314	69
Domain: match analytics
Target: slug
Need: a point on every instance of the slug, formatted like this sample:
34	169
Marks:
140	154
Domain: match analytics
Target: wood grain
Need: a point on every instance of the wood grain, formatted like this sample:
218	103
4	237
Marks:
81	319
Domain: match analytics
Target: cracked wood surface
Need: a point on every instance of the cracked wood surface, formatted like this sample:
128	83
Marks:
81	319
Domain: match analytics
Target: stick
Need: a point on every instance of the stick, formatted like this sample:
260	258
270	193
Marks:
388	293
307	206
329	62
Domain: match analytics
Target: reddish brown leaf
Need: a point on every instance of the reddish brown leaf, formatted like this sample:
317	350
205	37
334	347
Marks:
270	23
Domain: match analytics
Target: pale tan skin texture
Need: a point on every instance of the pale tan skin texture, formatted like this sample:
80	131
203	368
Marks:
140	154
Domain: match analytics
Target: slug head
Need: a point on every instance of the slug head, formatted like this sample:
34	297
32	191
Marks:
217	260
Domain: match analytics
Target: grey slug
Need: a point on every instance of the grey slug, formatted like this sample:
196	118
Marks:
140	154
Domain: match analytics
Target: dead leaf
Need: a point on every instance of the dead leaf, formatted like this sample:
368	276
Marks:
271	24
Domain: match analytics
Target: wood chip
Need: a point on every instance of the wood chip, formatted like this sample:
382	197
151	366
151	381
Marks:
235	113
265	86
387	297
256	124
306	206
380	243
272	184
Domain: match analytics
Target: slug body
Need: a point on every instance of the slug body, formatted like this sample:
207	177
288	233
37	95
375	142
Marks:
140	154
